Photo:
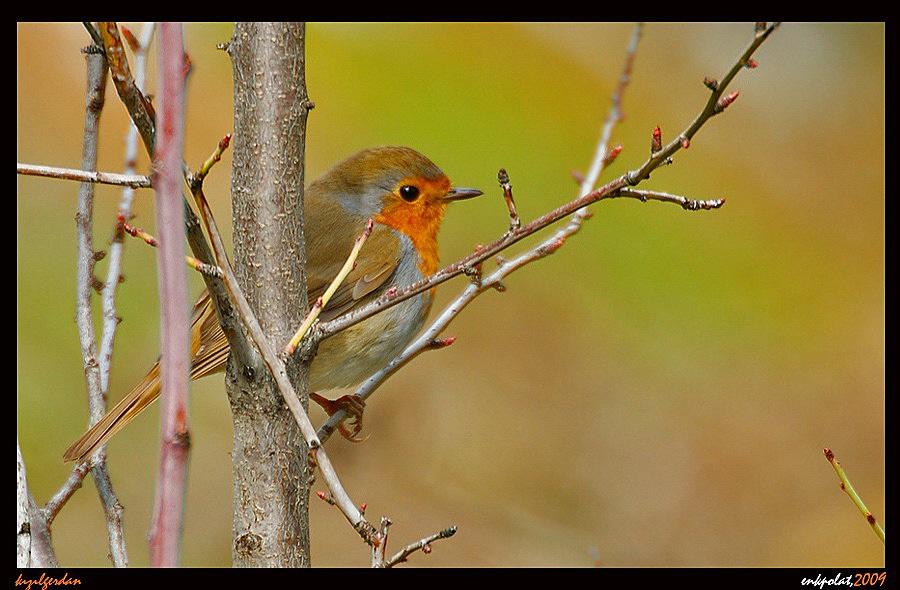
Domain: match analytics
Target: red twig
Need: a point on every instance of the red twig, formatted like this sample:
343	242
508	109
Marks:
166	531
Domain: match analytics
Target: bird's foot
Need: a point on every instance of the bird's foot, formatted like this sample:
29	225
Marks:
353	405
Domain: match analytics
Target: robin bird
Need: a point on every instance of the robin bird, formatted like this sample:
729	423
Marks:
406	195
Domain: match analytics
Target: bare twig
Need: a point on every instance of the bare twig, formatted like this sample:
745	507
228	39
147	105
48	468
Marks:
320	303
138	105
714	105
847	487
603	154
687	204
167	527
84	315
209	270
211	161
423	545
129	180
84	232
116	247
503	179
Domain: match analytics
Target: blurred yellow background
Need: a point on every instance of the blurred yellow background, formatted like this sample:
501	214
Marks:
656	393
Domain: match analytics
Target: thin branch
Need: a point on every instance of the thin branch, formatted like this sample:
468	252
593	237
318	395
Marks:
847	487
210	270
423	545
686	204
117	247
603	154
84	314
202	250
715	105
211	161
142	113
503	179
323	300
84	215
168	513
129	180
112	509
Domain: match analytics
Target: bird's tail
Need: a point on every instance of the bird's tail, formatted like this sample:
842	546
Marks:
209	350
144	394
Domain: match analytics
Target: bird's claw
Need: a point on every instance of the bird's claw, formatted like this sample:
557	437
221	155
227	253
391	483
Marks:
353	405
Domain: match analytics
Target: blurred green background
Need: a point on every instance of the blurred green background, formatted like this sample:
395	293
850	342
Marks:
656	393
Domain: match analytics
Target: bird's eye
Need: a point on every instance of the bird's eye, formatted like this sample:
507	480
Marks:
409	193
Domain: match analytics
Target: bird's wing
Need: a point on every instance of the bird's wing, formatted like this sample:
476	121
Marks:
375	264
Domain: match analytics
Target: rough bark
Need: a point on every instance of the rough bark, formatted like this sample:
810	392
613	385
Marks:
271	473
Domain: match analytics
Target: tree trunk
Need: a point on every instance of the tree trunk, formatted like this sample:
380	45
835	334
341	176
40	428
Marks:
271	473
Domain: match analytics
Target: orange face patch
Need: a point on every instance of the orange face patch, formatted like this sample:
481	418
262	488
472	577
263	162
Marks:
416	208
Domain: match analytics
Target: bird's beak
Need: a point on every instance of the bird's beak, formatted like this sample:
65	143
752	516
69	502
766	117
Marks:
457	193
